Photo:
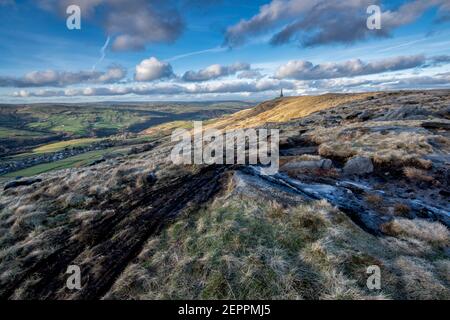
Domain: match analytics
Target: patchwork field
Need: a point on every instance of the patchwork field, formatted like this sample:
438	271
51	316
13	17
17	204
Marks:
16	133
57	146
71	162
23	127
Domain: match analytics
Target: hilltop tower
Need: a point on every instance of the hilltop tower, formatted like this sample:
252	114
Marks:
281	93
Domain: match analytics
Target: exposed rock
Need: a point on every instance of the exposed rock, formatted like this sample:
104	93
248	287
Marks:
436	125
352	115
309	165
444	113
18	183
365	115
358	166
151	177
93	163
407	112
299	151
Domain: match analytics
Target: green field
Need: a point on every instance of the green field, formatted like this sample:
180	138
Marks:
72	162
83	122
16	133
58	146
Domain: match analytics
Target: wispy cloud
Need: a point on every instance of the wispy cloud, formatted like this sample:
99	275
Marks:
102	53
402	45
194	53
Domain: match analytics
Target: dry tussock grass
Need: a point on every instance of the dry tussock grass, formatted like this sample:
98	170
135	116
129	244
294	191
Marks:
398	145
417	175
401	209
419	280
234	250
284	110
242	249
31	217
374	200
433	233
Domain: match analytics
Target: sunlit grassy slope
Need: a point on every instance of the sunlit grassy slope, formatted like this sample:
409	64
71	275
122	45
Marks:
167	128
282	110
54	147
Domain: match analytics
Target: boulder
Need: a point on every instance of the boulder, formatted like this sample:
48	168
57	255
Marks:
407	112
438	125
325	164
365	115
358	166
151	178
95	162
18	183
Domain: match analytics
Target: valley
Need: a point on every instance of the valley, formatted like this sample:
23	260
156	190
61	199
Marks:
34	135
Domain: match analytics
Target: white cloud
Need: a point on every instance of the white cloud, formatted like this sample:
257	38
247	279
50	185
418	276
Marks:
306	70
169	88
54	78
318	22
266	87
134	23
250	74
152	69
215	71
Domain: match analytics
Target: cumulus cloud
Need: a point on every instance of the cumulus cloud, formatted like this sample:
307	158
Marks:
306	70
54	78
440	59
250	74
168	88
215	71
317	22
389	83
152	69
133	23
253	87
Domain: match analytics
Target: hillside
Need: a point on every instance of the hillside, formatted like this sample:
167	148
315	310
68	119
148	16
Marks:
364	180
23	127
284	109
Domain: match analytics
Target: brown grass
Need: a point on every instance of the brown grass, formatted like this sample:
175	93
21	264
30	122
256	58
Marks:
374	200
419	280
283	110
417	175
401	209
401	144
433	233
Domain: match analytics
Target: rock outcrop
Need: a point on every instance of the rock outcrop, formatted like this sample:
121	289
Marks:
358	166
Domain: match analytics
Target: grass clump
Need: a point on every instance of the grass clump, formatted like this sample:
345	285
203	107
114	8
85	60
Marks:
241	250
387	143
417	175
434	233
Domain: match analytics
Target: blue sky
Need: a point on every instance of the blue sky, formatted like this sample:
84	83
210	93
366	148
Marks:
218	49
